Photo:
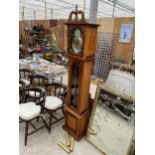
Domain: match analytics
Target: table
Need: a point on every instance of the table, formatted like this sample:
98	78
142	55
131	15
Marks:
42	66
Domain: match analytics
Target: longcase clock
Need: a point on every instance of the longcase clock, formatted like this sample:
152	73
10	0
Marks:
81	50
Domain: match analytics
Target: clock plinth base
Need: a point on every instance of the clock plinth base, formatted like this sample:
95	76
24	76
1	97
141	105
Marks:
76	124
73	134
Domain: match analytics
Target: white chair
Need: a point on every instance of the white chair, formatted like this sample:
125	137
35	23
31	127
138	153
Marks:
31	109
56	102
53	102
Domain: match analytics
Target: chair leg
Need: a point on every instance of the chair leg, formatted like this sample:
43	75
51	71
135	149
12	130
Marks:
42	110
50	121
26	97
26	132
46	125
63	111
37	119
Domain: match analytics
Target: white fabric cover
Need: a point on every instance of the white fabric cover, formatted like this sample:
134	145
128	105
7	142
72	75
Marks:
121	81
92	90
53	102
29	110
27	82
32	93
61	90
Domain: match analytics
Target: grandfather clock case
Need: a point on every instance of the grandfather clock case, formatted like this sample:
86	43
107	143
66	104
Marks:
81	37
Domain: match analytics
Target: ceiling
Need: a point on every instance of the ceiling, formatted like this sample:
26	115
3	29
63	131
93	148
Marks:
60	9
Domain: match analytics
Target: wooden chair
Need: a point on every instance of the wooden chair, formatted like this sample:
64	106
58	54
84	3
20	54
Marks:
41	81
32	109
21	88
21	56
25	76
55	98
55	102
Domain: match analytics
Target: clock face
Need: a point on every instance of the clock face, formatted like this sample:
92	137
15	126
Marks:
77	41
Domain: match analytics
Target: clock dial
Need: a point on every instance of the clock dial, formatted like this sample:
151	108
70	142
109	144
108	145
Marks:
77	41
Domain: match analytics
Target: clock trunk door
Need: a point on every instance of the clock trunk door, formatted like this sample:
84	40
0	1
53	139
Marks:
74	85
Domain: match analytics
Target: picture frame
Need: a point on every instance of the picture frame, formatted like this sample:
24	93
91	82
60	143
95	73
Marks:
126	33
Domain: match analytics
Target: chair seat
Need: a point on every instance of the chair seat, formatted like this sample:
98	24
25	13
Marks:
27	82
29	110
53	102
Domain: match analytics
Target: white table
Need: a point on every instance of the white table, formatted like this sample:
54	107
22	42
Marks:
41	66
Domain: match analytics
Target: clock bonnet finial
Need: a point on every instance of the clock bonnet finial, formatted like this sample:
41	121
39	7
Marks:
76	8
77	16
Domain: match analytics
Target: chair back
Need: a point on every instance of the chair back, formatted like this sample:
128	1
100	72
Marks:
25	73
35	94
21	88
60	90
39	80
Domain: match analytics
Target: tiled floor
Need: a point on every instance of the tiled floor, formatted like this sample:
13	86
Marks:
43	143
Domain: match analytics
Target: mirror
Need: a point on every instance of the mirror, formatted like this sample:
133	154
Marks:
111	126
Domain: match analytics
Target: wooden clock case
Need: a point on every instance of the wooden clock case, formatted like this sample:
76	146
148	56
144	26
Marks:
80	69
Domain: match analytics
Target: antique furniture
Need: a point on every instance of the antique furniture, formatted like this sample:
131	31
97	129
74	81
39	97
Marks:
41	66
81	50
24	74
21	89
123	67
122	78
40	81
111	126
55	102
122	81
31	109
55	96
